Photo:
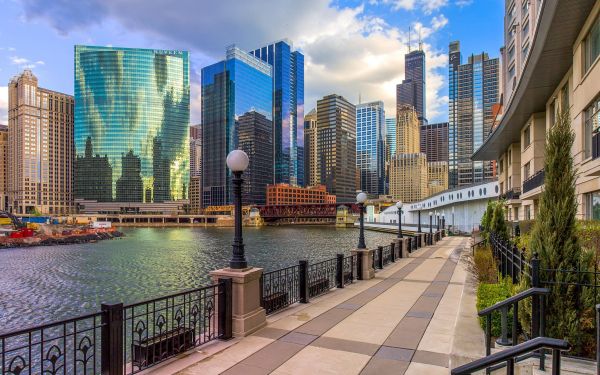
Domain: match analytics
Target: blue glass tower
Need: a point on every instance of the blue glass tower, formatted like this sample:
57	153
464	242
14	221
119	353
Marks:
230	89
288	110
370	147
132	117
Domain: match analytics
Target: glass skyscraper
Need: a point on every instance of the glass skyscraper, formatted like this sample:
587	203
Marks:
474	89
132	115
390	136
412	89
288	110
231	88
370	147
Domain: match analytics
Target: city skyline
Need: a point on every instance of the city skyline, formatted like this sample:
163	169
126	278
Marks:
378	32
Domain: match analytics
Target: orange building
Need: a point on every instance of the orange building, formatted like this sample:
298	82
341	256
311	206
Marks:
287	194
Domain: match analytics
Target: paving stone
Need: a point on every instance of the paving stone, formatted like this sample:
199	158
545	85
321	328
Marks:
346	345
324	322
273	355
420	314
243	369
396	354
349	306
298	338
408	333
382	366
431	358
271	333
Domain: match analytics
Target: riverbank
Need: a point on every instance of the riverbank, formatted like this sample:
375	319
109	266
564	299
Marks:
79	237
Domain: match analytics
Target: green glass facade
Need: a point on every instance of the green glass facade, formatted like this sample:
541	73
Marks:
132	115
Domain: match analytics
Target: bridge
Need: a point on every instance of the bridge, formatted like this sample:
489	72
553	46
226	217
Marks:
304	213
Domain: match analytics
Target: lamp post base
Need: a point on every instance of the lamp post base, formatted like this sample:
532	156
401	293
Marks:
247	314
366	271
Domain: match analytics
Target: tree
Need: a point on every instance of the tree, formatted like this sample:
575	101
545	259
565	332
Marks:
487	216
554	235
498	223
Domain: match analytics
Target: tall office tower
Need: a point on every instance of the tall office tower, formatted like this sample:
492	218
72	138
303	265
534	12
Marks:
437	177
474	90
255	137
336	146
312	173
3	169
40	147
520	23
195	168
230	88
434	141
370	147
407	131
412	89
390	136
408	177
288	109
133	110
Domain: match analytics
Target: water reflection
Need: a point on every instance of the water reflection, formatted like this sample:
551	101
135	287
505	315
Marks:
42	284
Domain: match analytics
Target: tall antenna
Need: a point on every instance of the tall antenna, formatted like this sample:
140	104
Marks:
420	41
408	44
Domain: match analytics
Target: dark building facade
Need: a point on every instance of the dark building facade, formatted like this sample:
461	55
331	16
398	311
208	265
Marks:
454	61
130	187
434	141
288	110
255	138
412	89
93	174
336	146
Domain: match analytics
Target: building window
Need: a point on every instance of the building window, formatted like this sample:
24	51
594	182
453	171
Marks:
526	137
564	97
592	45
592	124
594	205
527	212
527	170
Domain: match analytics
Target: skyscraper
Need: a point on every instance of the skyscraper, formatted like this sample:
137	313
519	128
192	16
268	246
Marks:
434	141
288	107
255	133
370	147
3	167
195	168
412	89
474	89
133	108
390	136
312	174
336	146
40	148
230	88
407	131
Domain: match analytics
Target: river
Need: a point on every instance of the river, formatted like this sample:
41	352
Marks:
44	284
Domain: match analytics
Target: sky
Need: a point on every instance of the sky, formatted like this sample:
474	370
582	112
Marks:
352	48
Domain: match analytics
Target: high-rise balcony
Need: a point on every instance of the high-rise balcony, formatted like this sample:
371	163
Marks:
596	145
513	193
534	181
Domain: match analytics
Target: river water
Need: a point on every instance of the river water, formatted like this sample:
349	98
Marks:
44	284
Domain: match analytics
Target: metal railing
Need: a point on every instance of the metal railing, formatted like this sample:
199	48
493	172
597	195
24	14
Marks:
349	269
321	277
536	180
509	356
280	288
511	261
386	254
121	339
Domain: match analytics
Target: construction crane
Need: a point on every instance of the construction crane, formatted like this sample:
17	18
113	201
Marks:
15	221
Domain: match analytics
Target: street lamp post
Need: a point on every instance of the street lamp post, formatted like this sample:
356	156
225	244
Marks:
430	228
399	207
361	198
438	221
237	162
419	228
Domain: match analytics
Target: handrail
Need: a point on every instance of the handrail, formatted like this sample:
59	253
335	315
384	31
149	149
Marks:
510	354
516	298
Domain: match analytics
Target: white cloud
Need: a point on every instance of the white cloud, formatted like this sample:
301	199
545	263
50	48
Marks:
4	105
18	60
25	63
427	6
463	3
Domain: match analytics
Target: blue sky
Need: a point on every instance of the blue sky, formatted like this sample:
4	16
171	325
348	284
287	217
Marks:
351	47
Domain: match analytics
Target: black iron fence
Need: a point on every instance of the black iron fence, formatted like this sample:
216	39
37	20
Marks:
280	288
510	260
121	339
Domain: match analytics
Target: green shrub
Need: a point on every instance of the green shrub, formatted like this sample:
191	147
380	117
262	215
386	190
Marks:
498	223
485	266
589	235
490	294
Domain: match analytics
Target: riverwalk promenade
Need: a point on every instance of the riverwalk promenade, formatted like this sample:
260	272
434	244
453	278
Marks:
415	317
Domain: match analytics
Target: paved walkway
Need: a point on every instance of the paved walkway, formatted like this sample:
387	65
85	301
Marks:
401	322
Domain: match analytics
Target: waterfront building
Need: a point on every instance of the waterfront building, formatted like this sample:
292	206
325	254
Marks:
407	131
336	146
278	194
311	167
40	148
288	109
560	72
412	89
434	141
474	89
133	106
255	137
408	177
3	168
437	177
370	147
230	88
195	186
94	175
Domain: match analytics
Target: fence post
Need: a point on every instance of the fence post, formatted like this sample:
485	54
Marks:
597	339
226	308
112	348
303	281
535	303
380	253
340	270
393	251
513	271
359	261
